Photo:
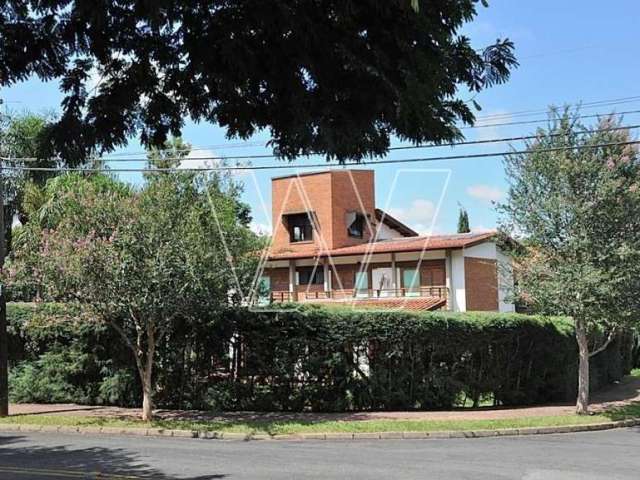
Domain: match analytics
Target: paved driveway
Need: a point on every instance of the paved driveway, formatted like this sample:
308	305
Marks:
609	455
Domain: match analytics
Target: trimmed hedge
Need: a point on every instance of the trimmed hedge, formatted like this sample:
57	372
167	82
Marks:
311	358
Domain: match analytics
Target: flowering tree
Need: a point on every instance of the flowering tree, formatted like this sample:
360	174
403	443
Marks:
575	201
139	260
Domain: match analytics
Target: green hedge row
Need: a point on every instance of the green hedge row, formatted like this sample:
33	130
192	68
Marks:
310	358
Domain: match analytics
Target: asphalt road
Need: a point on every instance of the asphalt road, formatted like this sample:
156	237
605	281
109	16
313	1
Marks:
610	455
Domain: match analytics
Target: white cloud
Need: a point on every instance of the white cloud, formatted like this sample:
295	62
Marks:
484	192
420	211
481	229
200	159
260	228
420	216
203	158
425	230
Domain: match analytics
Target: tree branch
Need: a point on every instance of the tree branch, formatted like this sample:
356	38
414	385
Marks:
606	343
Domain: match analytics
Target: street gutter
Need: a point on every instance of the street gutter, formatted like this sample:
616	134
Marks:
337	436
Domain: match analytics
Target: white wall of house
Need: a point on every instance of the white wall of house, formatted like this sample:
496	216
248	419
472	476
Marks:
458	294
385	232
482	250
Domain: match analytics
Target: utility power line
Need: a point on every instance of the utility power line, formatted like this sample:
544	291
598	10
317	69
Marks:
407	147
526	113
320	165
496	117
125	156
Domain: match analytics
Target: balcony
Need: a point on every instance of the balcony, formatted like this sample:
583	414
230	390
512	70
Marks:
354	295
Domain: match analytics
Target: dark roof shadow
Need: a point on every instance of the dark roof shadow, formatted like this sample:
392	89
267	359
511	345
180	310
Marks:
39	462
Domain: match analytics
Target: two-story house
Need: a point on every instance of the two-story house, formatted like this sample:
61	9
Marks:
331	244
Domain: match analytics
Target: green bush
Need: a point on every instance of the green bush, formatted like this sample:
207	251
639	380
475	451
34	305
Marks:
49	379
310	358
57	355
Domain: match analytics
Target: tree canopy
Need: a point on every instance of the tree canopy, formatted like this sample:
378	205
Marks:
139	260
576	206
335	77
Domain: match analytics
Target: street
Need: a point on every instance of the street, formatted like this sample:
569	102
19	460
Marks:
593	455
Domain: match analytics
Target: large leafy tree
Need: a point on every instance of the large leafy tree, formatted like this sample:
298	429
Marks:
336	77
576	206
139	260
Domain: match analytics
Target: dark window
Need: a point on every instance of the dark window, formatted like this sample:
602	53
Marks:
306	276
300	229
356	225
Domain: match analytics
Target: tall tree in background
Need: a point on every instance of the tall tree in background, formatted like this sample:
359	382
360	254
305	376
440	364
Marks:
337	77
139	260
463	221
20	138
577	209
169	156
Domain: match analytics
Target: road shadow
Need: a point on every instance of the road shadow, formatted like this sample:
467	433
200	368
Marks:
28	461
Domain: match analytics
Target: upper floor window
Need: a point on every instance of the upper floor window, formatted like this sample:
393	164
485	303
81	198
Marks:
355	224
300	228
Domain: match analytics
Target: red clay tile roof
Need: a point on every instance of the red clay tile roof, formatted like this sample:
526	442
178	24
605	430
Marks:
407	244
406	303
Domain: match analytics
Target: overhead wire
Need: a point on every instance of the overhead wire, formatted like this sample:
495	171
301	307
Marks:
320	165
398	148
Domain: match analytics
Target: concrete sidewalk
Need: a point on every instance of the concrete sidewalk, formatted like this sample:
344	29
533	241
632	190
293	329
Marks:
622	393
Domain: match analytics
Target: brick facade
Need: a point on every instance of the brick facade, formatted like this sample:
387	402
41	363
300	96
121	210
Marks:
330	196
279	278
333	199
481	284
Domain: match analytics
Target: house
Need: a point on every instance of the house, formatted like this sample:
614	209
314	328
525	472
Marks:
331	244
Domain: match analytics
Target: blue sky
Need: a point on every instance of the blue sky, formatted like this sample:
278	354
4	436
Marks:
570	51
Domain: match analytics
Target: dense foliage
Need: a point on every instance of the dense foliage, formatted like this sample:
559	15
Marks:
337	77
310	358
574	197
140	260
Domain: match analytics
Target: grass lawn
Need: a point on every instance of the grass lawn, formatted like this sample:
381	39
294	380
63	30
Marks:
330	426
324	426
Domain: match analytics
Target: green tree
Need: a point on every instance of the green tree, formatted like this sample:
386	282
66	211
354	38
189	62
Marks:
20	137
169	156
336	77
140	260
463	221
577	207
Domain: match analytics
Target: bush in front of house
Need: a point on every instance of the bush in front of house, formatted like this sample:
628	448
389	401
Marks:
310	358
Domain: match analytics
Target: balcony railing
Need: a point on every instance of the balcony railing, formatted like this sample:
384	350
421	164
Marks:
438	291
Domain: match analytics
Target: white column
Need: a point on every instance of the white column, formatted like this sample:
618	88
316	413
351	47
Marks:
327	276
292	279
458	287
394	275
451	296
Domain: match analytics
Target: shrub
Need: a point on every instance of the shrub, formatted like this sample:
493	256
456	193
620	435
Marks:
310	358
49	379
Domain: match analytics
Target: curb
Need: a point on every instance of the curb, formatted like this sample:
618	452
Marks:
201	434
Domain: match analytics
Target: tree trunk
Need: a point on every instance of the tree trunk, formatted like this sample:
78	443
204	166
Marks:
582	404
147	403
147	377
